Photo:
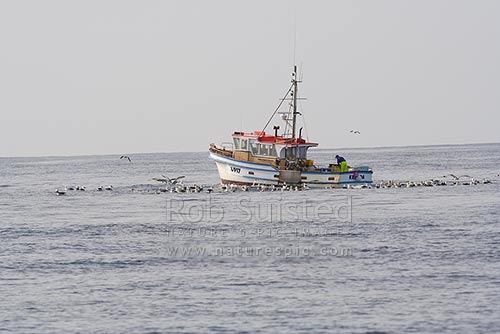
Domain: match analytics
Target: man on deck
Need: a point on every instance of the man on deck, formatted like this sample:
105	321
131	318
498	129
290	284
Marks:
341	161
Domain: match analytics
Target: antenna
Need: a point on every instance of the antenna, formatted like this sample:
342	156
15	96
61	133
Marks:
294	110
293	11
294	34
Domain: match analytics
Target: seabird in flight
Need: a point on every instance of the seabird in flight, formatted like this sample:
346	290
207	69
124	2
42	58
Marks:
167	180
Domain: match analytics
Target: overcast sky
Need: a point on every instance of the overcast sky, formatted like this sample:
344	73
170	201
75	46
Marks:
97	77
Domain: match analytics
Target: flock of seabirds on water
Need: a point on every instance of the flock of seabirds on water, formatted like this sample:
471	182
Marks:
177	185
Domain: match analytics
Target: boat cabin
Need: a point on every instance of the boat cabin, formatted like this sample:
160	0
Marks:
260	145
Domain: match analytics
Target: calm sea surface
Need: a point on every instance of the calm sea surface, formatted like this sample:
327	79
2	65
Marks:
420	260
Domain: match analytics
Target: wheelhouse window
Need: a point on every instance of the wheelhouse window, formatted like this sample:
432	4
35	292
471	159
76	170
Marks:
255	147
294	152
290	152
240	143
302	152
268	150
272	151
244	144
237	143
263	149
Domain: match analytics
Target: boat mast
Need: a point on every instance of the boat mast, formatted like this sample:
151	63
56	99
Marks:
294	103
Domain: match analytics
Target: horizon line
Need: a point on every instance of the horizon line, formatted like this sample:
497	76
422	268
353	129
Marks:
178	152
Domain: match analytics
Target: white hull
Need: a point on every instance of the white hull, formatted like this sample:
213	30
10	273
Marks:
244	172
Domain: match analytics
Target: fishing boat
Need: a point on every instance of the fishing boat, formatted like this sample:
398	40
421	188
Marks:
280	158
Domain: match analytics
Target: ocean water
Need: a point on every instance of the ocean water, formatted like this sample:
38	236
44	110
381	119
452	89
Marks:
130	260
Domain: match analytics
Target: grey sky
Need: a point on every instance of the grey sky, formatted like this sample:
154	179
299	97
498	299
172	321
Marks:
95	77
